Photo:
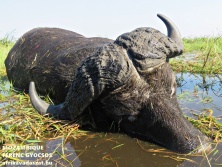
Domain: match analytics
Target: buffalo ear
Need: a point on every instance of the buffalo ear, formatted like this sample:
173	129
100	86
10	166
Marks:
143	43
144	48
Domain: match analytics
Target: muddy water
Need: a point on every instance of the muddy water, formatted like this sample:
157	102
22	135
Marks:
195	92
106	149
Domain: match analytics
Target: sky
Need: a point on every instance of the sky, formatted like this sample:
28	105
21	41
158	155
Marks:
110	18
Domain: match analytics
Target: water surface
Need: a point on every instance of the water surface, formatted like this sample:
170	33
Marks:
198	92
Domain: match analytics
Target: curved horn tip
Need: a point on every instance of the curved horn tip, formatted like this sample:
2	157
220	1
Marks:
160	15
172	29
40	105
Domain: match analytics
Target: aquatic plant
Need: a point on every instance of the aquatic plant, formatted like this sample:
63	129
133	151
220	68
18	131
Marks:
208	124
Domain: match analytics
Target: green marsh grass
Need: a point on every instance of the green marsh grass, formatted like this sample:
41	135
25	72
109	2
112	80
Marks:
5	46
201	55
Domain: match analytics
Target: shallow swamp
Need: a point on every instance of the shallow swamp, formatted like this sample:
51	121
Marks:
196	93
200	98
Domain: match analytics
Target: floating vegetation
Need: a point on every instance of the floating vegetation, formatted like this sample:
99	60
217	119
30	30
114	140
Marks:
212	158
208	124
20	123
206	99
186	96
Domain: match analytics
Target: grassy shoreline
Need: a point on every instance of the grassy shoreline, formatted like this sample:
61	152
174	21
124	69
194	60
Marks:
5	47
201	55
